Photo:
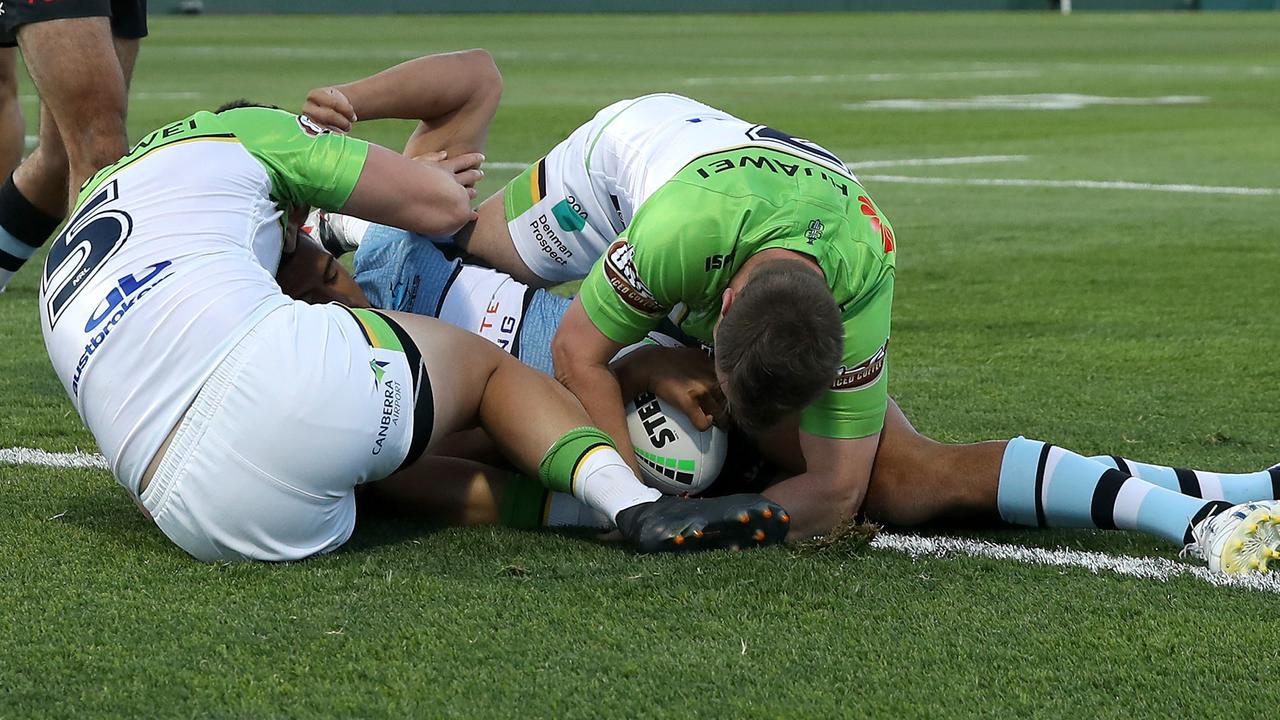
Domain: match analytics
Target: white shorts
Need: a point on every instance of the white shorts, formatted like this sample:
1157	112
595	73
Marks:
312	402
557	225
565	209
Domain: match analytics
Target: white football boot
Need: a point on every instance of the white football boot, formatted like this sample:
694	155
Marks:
338	233
1241	539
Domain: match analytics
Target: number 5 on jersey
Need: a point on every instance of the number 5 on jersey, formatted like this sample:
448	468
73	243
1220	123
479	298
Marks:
91	237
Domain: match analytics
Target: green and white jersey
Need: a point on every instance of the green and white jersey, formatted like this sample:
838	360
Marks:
693	231
658	200
169	259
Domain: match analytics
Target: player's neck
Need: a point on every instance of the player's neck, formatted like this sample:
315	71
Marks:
741	277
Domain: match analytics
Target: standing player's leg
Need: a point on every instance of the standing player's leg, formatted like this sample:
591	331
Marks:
75	69
13	126
77	72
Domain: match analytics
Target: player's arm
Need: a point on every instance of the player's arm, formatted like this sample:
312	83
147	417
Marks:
840	431
832	487
453	96
581	353
426	198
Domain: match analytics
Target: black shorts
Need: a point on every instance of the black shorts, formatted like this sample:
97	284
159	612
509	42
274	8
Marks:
128	17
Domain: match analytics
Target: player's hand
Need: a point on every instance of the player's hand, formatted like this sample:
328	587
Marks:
329	107
464	168
686	378
680	524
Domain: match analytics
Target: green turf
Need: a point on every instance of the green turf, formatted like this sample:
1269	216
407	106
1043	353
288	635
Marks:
1128	322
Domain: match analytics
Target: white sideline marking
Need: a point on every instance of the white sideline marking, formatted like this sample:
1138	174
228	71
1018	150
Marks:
31	456
1085	184
994	74
913	545
1146	568
144	95
1034	101
905	162
922	162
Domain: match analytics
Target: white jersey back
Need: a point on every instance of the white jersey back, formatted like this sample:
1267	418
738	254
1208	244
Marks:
638	145
153	281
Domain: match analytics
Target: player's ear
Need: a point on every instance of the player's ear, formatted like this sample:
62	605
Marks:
726	299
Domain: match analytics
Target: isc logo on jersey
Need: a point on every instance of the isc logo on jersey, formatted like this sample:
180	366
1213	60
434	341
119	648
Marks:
620	271
128	291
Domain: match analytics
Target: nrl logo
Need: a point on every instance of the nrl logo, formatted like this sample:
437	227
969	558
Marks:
311	127
863	375
620	271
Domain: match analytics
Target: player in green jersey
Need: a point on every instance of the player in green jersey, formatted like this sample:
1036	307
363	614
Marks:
913	479
243	421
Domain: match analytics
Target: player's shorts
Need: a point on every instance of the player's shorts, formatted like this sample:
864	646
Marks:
312	402
558	222
128	17
398	270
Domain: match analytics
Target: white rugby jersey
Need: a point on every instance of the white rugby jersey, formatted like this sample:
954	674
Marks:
169	259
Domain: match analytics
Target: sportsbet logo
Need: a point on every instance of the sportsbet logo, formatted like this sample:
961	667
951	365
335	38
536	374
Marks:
620	271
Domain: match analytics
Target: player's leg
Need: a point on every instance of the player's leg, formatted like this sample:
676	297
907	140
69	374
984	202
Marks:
20	238
541	428
1232	487
13	126
477	494
548	225
73	63
916	480
75	69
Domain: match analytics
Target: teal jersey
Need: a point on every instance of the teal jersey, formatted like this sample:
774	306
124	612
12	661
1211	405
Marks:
694	233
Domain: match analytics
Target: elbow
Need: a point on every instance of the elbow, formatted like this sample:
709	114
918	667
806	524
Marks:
562	359
487	77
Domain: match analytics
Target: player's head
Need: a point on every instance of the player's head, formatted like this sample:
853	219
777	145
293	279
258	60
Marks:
311	274
243	103
778	343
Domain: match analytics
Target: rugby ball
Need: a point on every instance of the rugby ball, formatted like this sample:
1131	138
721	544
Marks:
674	456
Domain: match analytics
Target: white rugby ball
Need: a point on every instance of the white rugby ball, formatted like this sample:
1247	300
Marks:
674	456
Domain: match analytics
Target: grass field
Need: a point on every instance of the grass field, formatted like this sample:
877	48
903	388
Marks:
1129	319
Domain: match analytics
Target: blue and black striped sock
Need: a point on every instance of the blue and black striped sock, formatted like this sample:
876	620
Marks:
23	229
1042	485
1235	488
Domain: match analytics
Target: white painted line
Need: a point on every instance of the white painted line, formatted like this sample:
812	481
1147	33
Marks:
993	74
506	165
1140	567
929	162
905	162
143	95
1034	101
31	456
913	545
1080	184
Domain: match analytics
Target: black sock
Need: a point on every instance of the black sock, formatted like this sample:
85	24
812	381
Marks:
23	229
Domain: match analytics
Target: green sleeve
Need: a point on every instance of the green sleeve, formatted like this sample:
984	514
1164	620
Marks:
659	261
308	165
855	404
